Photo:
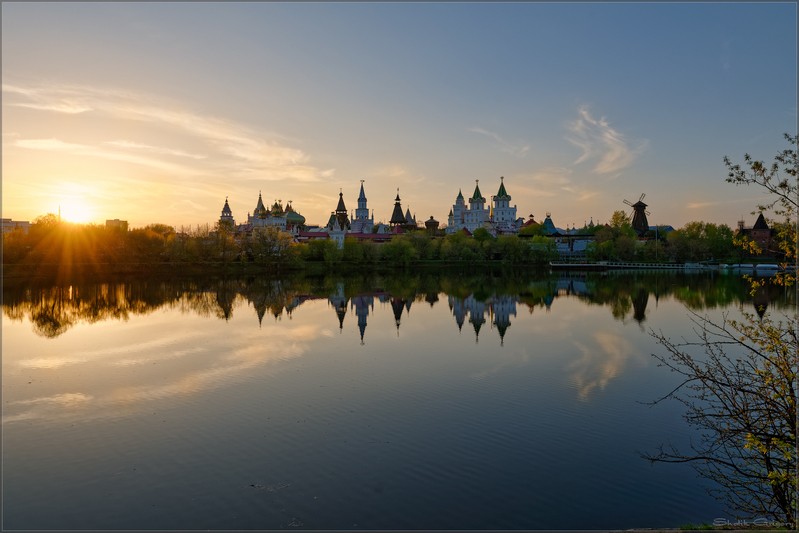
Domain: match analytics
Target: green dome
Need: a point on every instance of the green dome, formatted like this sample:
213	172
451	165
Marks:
292	217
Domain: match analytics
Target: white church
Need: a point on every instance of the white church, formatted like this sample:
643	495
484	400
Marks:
498	219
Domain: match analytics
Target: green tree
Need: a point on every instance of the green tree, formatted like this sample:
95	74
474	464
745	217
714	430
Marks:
701	241
272	247
399	251
738	382
352	251
780	180
621	225
532	230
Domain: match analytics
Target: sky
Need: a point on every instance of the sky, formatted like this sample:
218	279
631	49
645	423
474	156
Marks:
158	112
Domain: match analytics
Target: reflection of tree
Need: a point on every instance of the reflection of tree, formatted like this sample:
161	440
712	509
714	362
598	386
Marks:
620	307
55	309
51	319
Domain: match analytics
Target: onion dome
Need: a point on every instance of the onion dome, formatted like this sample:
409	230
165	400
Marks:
294	219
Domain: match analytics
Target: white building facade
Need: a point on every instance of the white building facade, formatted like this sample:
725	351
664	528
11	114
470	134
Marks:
500	219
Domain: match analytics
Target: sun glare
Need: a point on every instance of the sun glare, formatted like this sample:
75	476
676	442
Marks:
75	210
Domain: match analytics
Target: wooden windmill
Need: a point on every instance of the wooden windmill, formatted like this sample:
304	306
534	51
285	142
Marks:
640	223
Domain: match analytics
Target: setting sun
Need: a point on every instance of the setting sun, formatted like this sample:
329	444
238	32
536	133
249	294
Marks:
75	209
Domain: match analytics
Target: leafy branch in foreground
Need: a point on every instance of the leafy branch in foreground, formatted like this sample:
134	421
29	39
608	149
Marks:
739	390
739	377
780	181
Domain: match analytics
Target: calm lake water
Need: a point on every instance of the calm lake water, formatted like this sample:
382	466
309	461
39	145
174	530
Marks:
436	401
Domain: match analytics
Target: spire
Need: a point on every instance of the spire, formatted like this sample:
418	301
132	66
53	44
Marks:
477	195
362	196
341	212
340	208
502	193
260	209
226	212
460	195
397	217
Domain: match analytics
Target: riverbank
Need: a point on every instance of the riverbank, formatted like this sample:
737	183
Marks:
84	271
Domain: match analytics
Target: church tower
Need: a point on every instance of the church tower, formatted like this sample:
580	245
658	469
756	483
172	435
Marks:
397	218
362	222
341	213
227	216
504	215
477	213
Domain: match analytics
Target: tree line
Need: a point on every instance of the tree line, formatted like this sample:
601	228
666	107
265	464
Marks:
98	248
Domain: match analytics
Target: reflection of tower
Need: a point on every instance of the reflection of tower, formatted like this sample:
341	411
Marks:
362	304
458	310
224	299
639	304
548	299
760	300
339	303
477	311
260	307
503	307
397	305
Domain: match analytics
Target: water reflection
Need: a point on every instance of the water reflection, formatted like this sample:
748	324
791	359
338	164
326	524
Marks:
420	384
476	300
601	362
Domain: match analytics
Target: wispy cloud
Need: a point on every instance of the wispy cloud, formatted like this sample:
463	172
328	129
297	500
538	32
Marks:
221	145
518	149
57	145
154	149
399	174
602	144
700	205
553	182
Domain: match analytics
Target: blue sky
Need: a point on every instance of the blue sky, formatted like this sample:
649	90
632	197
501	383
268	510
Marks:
155	112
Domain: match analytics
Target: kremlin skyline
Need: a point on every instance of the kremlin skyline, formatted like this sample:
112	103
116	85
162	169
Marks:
155	112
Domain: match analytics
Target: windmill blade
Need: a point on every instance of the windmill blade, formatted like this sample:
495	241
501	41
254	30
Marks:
627	202
642	197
